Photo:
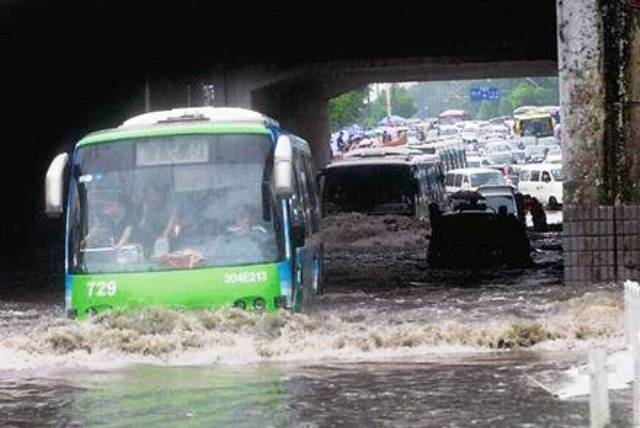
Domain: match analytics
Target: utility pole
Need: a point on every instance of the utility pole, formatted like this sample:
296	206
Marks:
147	95
388	96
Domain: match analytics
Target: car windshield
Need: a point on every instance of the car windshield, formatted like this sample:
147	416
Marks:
498	148
173	202
535	150
557	173
500	158
540	127
495	201
493	178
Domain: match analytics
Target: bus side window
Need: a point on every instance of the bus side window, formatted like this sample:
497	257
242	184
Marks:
314	207
303	190
299	226
297	199
535	175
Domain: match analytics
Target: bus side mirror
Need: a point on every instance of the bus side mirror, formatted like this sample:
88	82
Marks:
283	167
54	186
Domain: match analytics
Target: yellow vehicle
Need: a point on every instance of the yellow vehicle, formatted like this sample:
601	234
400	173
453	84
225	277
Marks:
533	124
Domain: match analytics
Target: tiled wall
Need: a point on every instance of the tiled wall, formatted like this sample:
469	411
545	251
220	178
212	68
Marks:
601	243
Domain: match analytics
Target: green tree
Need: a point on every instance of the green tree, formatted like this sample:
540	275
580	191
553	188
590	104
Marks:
402	102
347	109
488	110
505	108
375	110
531	92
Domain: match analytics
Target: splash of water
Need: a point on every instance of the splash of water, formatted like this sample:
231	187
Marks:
165	336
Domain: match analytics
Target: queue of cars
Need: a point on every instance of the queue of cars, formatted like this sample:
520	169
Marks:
465	156
470	183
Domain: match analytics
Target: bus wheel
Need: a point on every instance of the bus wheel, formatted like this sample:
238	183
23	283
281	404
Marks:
553	203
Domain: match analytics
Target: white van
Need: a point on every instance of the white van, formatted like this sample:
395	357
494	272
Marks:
543	182
472	178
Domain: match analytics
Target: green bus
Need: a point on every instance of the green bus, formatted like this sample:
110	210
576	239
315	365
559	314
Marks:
188	208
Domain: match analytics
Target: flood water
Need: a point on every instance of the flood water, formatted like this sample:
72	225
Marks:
391	343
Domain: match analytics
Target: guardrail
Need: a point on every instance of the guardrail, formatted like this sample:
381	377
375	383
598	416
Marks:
598	371
632	331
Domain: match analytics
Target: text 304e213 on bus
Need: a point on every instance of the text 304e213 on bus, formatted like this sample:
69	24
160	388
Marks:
189	208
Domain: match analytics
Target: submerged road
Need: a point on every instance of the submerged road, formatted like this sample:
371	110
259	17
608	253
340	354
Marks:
391	343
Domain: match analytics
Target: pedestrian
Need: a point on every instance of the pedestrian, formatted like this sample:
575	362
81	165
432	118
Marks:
538	215
340	142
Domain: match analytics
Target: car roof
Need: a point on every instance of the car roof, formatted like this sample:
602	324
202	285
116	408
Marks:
495	190
541	166
470	170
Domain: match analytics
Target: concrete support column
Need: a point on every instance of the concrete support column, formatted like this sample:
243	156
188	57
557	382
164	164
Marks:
311	122
301	109
601	125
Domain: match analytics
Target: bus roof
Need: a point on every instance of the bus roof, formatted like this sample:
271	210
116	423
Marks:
368	162
183	121
532	115
200	114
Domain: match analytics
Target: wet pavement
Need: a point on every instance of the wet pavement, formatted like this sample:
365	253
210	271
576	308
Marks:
391	343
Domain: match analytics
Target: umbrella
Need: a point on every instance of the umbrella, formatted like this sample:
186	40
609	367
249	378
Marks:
355	130
392	120
453	113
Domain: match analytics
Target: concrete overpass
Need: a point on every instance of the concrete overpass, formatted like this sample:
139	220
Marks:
69	68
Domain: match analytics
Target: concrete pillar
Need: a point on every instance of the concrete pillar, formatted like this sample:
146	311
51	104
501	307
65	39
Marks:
302	109
633	105
581	97
599	63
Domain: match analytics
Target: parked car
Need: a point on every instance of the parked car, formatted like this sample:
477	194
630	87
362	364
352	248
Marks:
543	182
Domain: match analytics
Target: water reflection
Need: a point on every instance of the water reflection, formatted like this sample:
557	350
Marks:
490	390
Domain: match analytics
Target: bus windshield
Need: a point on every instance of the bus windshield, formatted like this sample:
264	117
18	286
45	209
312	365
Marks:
539	127
173	202
486	179
370	189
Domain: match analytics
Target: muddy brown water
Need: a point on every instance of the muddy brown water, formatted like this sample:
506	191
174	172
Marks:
391	343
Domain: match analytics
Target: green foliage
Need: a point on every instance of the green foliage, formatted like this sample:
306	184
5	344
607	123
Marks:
429	99
375	111
346	109
506	107
402	102
526	94
432	98
352	107
488	110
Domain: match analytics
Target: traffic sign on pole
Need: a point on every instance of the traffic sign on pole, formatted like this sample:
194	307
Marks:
490	93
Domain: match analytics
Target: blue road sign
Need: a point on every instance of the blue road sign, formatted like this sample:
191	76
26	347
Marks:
485	93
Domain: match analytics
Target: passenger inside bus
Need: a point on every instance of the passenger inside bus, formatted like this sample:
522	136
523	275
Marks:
245	240
155	219
111	225
244	224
